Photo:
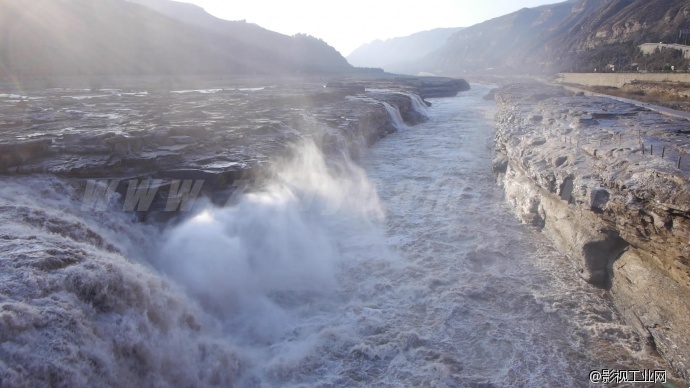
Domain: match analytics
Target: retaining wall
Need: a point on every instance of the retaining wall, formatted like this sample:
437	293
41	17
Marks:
619	79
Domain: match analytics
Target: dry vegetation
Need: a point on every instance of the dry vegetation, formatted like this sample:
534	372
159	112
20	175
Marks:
673	95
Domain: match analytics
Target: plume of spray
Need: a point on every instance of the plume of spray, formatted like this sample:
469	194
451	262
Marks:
252	263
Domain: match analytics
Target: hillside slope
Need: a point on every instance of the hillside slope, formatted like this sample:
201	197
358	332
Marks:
514	43
115	37
572	35
304	51
612	34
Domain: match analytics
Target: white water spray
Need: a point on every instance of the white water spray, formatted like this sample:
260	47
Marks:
296	286
394	113
418	104
79	308
257	265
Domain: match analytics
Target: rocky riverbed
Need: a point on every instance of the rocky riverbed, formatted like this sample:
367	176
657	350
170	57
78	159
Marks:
215	134
88	296
607	181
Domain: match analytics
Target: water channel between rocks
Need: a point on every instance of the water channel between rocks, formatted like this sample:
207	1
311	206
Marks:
406	269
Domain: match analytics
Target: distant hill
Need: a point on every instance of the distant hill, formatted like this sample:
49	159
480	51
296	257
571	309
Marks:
572	35
394	53
115	37
514	43
304	51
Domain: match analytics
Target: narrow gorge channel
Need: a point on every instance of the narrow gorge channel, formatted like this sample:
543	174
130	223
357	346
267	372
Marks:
405	268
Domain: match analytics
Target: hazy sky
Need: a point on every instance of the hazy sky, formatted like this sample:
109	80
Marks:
346	25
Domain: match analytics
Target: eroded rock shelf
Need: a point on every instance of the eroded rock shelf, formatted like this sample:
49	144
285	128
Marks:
589	171
217	135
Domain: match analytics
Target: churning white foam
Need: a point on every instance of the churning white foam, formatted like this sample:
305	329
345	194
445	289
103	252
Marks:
394	113
418	104
78	309
295	284
224	297
256	265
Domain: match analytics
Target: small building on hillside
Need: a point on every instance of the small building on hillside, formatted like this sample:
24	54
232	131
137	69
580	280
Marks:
650	48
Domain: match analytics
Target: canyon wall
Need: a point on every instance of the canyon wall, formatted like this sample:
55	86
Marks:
606	181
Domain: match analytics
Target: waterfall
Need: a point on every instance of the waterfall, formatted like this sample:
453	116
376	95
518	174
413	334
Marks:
81	306
418	104
394	113
227	296
408	270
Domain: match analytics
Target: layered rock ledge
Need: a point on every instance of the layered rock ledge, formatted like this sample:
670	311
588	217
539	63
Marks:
589	171
217	135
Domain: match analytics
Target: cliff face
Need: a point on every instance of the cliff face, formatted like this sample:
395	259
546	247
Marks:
45	38
631	21
574	166
576	34
515	43
612	33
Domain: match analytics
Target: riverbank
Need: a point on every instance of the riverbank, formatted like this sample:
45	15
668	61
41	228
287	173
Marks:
620	79
491	297
670	90
589	171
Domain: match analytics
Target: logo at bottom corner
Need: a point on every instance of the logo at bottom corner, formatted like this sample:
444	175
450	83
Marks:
613	376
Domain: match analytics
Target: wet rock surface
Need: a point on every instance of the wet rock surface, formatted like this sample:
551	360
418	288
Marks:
217	137
81	299
590	172
224	132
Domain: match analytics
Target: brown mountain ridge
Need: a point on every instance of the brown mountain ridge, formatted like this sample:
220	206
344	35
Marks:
116	37
568	36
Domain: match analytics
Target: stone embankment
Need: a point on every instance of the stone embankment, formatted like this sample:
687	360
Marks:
618	80
603	179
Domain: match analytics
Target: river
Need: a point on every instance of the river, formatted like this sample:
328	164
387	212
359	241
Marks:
404	269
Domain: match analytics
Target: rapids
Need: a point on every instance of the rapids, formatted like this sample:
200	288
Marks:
404	269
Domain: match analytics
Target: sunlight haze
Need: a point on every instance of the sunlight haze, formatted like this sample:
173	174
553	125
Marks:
347	25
